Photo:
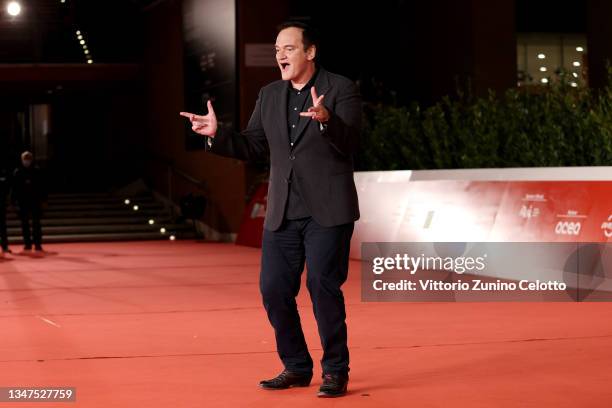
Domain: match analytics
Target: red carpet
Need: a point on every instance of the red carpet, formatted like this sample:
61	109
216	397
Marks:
180	324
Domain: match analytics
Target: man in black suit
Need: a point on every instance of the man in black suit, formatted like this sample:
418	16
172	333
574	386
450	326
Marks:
308	125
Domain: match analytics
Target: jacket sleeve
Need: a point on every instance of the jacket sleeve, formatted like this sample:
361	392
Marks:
249	144
344	125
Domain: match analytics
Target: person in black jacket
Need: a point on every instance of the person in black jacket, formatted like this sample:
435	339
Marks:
308	125
29	193
4	192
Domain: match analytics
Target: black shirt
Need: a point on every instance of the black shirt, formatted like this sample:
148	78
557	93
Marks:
296	103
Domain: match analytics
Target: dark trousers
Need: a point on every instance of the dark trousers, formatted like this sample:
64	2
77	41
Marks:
33	212
325	250
3	233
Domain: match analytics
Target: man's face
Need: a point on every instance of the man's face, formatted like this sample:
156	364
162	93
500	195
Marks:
291	57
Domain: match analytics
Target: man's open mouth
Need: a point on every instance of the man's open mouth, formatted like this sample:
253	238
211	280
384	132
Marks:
284	65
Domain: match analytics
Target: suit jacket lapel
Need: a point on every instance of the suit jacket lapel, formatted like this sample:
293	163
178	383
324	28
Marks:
321	85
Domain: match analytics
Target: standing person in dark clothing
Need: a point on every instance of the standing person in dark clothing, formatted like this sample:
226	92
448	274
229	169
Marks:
4	191
29	192
308	125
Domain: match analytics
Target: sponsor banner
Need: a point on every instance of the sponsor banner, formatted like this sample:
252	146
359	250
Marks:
557	211
482	211
486	271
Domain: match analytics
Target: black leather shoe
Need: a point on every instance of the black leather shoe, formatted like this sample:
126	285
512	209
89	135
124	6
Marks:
286	379
334	385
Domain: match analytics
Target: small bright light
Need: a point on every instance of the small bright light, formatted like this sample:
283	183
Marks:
576	63
127	201
541	56
575	75
63	1
78	32
82	42
544	80
90	61
172	237
162	230
135	208
13	8
80	37
573	84
86	52
542	69
579	49
151	222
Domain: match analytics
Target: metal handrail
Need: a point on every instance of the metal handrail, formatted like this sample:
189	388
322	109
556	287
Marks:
173	170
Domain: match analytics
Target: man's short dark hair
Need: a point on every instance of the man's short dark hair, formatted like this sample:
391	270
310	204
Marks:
310	36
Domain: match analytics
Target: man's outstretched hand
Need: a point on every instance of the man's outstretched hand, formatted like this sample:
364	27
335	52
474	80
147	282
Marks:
205	125
317	111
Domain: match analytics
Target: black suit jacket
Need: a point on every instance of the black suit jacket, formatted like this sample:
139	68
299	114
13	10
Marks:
321	159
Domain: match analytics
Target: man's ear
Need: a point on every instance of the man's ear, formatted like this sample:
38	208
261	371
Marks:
311	52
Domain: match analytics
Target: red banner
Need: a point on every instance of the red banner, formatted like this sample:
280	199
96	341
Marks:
251	228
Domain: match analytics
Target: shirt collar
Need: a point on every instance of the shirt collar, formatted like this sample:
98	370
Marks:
308	85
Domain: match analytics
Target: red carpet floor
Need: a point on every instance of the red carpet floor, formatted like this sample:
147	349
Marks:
180	324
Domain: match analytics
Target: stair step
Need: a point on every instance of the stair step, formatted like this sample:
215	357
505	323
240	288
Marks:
87	229
95	213
80	195
103	206
102	200
131	236
96	221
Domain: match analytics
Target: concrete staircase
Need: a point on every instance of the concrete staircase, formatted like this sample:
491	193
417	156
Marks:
92	217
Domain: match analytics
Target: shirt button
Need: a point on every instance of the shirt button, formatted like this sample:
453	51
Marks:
292	157
299	93
294	108
291	143
292	126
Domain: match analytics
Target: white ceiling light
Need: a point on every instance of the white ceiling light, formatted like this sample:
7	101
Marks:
544	80
541	56
576	63
542	69
579	49
13	8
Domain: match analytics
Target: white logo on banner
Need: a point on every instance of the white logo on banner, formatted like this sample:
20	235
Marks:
568	228
535	197
529	212
607	227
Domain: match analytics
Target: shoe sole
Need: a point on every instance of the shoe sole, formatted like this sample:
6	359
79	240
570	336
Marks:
285	388
327	395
